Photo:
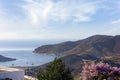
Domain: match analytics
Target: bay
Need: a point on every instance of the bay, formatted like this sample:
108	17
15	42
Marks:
25	58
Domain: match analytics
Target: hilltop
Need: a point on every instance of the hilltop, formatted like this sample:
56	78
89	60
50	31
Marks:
96	48
98	45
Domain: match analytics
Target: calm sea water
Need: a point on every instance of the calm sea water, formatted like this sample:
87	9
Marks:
22	51
25	58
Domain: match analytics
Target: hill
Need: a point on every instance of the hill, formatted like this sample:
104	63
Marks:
96	48
4	59
98	45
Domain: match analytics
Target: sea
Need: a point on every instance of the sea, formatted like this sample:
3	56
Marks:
22	51
25	58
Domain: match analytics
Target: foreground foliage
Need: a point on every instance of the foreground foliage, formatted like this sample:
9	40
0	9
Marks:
55	71
100	71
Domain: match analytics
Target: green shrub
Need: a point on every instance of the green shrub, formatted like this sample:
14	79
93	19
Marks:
55	71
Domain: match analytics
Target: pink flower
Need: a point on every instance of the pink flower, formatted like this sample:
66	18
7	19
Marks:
92	70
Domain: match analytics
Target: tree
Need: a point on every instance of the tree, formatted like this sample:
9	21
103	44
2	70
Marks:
56	70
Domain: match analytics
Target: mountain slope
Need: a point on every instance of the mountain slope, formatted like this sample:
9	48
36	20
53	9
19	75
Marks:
95	48
57	48
98	45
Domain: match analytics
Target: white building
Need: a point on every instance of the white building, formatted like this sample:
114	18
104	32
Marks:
12	73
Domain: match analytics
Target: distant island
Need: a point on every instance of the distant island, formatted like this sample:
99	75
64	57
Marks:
5	59
96	48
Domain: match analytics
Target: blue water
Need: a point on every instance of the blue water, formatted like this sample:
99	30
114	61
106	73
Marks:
25	58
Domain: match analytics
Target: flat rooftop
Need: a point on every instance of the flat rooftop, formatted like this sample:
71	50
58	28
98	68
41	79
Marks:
6	69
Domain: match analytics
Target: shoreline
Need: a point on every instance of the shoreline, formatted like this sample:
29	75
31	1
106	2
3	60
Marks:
23	67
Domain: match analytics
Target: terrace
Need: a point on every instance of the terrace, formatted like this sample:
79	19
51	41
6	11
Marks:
12	73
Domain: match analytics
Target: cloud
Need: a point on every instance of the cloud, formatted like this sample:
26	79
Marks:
112	28
116	21
37	11
62	10
41	19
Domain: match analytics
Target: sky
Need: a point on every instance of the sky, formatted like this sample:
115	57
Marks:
58	19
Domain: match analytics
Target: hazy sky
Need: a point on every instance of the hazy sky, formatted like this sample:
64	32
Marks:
58	19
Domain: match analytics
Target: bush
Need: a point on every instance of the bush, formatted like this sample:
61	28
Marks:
55	71
100	71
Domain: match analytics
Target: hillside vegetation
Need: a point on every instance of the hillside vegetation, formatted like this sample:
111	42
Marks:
95	48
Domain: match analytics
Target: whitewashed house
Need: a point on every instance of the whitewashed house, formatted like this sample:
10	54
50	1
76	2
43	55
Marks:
12	73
